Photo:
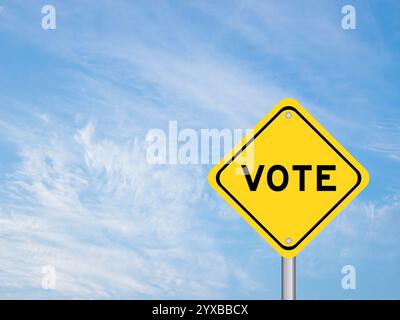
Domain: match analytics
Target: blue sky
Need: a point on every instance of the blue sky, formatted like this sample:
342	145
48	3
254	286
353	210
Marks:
76	104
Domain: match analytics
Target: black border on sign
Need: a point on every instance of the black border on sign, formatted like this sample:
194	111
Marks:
251	215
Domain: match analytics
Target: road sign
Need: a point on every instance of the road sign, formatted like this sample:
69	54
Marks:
288	178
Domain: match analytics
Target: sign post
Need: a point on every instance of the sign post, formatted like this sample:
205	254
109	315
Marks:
288	178
288	278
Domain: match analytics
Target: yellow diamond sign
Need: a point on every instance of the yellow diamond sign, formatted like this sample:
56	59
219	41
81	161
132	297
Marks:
288	178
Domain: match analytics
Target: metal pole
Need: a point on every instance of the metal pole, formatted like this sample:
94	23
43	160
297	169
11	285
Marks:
288	278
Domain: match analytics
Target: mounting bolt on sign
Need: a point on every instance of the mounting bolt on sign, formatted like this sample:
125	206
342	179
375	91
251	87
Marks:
288	178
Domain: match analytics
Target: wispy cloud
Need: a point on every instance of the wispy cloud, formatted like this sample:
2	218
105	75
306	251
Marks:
110	223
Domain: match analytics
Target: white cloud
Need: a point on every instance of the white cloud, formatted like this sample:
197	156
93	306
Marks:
363	230
111	224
